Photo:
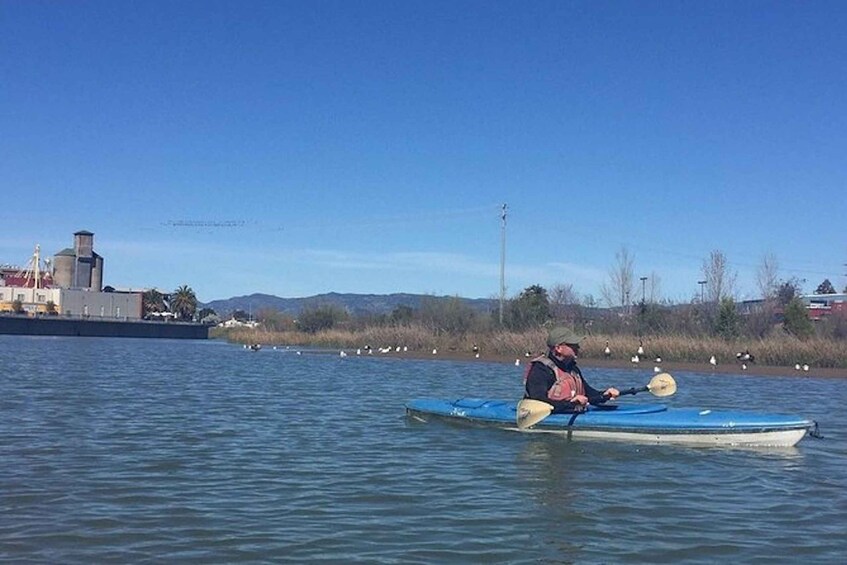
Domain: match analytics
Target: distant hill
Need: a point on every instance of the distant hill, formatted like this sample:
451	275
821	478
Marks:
355	304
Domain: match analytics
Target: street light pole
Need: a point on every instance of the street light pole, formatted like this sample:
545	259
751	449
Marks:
502	263
702	287
643	282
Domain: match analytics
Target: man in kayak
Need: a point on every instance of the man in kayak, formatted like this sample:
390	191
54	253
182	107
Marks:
556	379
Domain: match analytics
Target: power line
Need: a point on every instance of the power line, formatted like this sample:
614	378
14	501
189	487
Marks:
205	223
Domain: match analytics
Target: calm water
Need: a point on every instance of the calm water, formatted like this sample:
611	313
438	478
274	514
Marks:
156	451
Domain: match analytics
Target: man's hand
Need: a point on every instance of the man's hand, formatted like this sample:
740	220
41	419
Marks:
580	400
612	392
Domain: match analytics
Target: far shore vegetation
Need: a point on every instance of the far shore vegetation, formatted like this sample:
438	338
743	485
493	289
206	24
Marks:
775	333
777	330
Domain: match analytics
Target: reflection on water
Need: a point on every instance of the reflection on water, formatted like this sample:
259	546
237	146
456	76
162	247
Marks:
153	450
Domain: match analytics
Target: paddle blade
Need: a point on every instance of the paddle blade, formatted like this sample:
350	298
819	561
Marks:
662	385
530	412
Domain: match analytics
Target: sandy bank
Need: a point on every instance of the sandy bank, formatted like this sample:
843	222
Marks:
588	364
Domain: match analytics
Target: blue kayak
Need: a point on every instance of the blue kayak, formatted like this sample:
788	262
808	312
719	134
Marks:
653	423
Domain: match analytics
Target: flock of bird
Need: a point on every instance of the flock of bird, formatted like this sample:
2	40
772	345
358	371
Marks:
636	359
744	358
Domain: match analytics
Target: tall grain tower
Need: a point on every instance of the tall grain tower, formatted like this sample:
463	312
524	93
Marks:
80	266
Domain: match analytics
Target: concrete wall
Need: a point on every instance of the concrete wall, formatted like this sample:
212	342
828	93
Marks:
74	302
53	325
107	305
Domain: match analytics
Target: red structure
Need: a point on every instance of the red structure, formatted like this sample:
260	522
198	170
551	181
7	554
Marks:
15	276
822	305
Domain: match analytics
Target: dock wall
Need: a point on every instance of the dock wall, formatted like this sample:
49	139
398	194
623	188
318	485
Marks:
61	326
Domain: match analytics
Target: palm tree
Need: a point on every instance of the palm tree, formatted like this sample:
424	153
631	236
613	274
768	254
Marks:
183	303
153	301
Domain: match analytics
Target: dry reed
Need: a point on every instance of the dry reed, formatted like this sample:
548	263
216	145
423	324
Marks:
779	350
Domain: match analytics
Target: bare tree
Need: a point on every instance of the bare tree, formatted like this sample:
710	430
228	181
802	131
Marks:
654	288
720	282
621	277
563	300
767	276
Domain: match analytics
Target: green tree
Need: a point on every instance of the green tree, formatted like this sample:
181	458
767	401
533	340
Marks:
531	308
274	320
322	317
183	303
208	316
653	318
152	301
796	321
825	288
206	312
459	317
241	315
787	291
51	308
729	321
17	307
451	315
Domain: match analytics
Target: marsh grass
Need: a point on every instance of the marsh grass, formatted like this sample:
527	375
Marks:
776	351
779	350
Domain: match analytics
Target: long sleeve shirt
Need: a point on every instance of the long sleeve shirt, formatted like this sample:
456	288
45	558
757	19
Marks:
541	378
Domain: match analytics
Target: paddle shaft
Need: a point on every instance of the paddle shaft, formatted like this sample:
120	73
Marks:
635	390
627	391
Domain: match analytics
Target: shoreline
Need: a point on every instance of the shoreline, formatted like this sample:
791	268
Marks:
589	363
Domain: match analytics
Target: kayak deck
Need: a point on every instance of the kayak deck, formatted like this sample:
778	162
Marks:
654	423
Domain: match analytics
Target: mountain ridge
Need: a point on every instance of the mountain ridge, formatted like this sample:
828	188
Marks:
355	304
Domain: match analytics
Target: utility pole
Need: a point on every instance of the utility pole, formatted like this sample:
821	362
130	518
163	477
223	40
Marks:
643	283
502	262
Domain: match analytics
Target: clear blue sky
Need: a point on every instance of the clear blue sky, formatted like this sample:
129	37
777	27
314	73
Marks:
296	148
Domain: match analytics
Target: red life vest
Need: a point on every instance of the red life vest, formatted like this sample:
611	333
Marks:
567	384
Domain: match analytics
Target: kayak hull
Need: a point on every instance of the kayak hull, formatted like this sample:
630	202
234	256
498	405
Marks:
642	423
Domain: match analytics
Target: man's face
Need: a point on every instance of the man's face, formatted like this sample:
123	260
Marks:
567	351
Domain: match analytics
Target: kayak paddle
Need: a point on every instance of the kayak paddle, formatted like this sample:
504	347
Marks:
529	412
661	385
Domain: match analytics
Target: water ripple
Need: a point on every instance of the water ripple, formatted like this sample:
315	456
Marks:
150	451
